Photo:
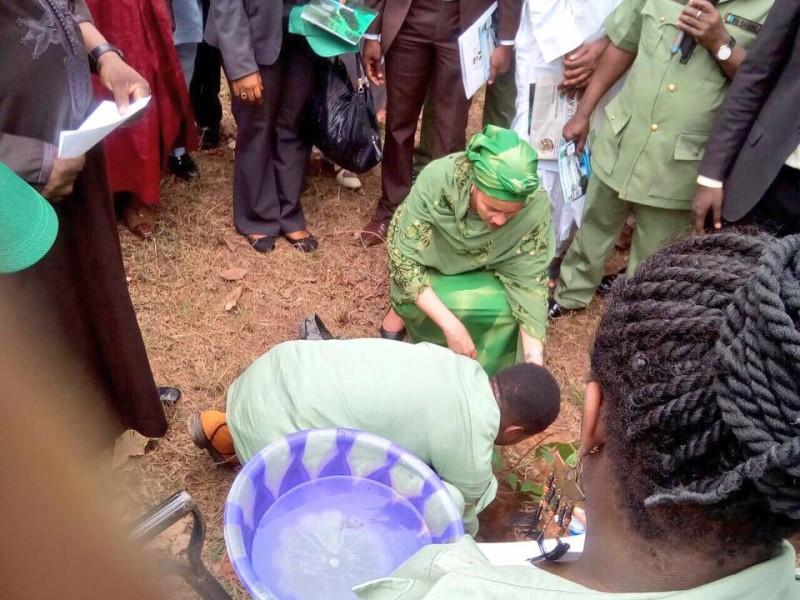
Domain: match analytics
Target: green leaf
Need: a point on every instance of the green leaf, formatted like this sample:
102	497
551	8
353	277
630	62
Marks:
527	486
513	481
536	492
497	460
547	455
571	460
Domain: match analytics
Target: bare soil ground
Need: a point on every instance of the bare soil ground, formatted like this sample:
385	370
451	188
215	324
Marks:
181	282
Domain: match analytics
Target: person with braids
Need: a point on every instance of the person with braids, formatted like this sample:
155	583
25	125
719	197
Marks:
469	251
690	441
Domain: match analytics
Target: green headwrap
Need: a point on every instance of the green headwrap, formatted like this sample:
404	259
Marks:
504	166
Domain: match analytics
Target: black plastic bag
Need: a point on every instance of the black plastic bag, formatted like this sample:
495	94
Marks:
342	118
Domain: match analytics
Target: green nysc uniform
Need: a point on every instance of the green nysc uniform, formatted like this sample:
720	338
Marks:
646	156
493	280
437	404
461	572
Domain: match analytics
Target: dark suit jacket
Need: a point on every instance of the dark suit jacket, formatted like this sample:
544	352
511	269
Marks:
247	32
758	126
392	13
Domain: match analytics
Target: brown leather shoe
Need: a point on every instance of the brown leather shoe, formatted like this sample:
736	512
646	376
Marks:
373	233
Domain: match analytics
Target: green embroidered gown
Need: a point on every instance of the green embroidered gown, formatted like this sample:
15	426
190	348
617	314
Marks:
493	280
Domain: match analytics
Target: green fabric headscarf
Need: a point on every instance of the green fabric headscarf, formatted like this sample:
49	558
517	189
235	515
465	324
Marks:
504	166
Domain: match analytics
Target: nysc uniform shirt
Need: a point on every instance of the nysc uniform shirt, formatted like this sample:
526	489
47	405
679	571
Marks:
656	130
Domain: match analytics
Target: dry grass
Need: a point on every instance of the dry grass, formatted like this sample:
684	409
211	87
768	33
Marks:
179	294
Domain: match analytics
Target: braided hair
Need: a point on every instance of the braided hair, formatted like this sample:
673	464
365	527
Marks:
698	356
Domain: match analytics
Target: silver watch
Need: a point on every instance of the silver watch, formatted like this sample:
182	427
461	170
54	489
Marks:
726	51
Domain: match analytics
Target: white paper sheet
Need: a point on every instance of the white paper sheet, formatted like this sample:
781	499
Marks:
98	125
475	47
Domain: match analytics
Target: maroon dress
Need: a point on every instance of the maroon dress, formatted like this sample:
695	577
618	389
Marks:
76	302
137	155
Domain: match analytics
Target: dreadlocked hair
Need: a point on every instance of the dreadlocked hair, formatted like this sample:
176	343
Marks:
698	357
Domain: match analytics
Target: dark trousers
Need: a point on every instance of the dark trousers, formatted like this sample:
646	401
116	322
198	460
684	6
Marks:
425	50
271	157
778	212
204	88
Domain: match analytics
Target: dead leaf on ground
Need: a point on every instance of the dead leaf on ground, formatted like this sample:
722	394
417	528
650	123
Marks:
233	298
233	274
231	246
130	443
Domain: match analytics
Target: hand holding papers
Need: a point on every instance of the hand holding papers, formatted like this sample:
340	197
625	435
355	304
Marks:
98	125
475	47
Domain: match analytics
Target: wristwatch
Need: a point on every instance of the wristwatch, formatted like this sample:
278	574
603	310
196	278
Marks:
725	52
95	54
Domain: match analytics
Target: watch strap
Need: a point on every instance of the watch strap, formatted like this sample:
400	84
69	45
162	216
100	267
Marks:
101	49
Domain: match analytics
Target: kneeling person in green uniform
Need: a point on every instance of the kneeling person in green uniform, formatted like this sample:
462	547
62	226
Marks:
439	405
646	156
469	250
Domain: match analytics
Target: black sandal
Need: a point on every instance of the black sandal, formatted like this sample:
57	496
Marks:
263	244
307	244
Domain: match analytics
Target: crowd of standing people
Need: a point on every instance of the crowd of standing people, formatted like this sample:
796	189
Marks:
484	249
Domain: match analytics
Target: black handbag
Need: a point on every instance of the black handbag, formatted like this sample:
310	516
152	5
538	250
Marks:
342	118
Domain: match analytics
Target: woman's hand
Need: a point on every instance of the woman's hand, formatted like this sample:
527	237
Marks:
459	340
62	178
121	80
248	88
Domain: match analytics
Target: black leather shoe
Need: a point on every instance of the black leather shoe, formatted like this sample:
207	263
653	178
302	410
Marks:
607	282
183	167
555	310
209	138
397	336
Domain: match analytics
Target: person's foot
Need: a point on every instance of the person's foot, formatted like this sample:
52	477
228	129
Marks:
347	179
209	138
139	218
392	327
374	232
302	240
555	310
183	167
607	282
209	431
261	243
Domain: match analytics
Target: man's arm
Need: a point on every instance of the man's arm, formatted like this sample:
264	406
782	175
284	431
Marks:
613	65
509	13
374	29
751	88
746	96
230	32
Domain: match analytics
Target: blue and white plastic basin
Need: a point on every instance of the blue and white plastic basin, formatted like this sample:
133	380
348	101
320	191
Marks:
322	510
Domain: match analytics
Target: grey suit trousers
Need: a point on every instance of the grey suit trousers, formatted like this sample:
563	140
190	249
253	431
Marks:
271	157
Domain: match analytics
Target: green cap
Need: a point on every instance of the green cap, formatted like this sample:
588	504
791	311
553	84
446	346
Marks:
322	42
28	224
